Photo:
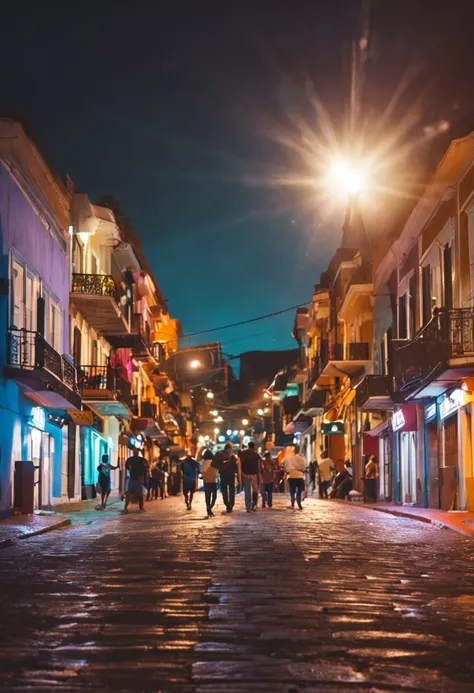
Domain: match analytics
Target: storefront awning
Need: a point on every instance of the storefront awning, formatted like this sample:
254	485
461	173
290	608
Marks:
382	429
370	445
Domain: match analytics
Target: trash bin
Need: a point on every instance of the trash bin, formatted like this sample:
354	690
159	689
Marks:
24	487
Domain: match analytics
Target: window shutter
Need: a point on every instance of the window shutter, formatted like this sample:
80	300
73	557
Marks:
40	315
448	277
426	293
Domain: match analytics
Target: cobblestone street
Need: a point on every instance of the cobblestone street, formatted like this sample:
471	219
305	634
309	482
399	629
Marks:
333	598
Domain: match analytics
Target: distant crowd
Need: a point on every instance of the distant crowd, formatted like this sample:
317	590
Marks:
258	476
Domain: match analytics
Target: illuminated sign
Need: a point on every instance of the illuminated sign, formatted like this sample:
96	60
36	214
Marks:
38	417
136	441
333	427
398	420
451	403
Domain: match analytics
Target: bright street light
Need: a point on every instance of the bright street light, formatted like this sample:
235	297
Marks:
260	412
216	431
245	422
242	433
229	432
210	395
215	412
266	395
346	178
195	364
219	419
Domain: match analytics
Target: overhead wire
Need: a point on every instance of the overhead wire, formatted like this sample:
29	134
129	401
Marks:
246	322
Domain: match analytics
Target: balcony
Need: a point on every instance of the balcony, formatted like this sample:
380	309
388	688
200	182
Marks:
374	393
148	410
439	355
105	390
138	338
49	377
334	363
102	301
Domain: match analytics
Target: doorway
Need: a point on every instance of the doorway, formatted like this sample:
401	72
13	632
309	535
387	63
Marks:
449	471
42	451
432	464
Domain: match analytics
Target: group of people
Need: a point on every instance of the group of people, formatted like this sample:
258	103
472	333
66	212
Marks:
141	476
248	470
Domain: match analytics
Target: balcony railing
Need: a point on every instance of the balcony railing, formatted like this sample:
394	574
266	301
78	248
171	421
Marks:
358	351
373	386
97	381
29	350
96	285
148	410
449	334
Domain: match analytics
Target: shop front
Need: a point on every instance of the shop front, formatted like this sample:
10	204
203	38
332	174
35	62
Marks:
455	460
407	479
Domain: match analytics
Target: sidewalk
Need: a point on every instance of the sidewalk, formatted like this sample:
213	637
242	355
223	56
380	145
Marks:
24	526
458	521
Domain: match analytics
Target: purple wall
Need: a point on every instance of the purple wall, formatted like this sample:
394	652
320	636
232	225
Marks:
22	229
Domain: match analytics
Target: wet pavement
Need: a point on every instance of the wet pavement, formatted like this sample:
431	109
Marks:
328	599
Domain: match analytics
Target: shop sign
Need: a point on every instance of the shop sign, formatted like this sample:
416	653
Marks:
451	403
430	412
398	420
333	427
38	418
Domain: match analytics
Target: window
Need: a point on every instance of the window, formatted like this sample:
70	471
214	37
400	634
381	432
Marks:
94	264
403	317
18	295
54	323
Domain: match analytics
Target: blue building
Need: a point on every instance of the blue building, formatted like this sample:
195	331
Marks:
37	378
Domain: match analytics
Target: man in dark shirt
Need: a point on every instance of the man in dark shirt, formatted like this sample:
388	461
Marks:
250	462
137	468
228	467
190	470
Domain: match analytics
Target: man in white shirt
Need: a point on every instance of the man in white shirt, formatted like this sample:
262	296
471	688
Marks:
294	466
324	471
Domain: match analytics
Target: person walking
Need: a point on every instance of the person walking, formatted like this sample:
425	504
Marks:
313	467
157	481
371	473
250	464
229	468
190	470
209	476
267	477
324	474
103	480
295	466
137	468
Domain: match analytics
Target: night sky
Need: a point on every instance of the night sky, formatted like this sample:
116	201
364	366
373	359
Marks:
177	110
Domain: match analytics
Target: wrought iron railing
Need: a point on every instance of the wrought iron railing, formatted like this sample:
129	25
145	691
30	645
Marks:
104	379
148	410
358	351
448	334
95	285
29	350
373	386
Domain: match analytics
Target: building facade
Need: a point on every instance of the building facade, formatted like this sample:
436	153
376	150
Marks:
87	338
38	381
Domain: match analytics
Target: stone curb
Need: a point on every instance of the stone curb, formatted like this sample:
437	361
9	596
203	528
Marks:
42	530
410	516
